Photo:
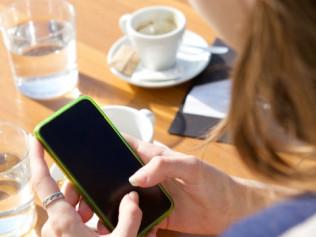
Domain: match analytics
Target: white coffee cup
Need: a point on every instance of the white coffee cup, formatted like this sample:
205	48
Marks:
138	123
157	52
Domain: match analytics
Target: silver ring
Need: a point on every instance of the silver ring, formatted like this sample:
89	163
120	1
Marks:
52	198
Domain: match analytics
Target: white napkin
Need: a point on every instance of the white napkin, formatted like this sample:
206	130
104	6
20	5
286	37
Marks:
211	99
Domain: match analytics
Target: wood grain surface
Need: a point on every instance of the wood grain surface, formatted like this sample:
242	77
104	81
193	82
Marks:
97	30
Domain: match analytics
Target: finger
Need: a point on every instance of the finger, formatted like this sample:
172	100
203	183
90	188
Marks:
153	232
102	230
130	216
144	149
84	211
161	168
43	183
70	193
46	231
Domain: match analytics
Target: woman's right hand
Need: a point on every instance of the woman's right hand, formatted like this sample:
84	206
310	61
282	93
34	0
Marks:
205	198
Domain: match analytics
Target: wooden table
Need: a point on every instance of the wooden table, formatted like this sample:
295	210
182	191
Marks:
97	30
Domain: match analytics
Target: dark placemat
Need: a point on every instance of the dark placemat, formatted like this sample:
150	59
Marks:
197	126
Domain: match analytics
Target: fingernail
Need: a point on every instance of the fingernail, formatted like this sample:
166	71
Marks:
137	179
133	196
134	180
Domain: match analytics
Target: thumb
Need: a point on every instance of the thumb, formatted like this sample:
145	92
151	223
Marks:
161	168
130	216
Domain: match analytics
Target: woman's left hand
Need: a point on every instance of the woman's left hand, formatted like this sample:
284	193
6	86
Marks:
63	218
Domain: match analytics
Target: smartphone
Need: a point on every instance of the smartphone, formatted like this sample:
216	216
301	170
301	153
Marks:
98	161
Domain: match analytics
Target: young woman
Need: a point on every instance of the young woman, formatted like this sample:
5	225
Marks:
271	122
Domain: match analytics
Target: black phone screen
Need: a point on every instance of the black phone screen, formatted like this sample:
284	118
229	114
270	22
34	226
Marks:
97	158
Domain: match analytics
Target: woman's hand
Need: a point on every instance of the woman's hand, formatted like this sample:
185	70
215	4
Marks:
202	194
64	220
206	199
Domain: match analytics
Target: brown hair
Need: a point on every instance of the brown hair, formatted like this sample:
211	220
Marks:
273	106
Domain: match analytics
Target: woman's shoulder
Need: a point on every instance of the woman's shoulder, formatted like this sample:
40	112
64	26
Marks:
293	217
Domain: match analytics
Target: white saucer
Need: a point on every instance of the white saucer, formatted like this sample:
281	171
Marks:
192	59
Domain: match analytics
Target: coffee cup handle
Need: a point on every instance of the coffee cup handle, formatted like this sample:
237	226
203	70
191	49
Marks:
149	114
123	22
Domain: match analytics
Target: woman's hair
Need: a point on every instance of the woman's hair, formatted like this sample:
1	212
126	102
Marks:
272	117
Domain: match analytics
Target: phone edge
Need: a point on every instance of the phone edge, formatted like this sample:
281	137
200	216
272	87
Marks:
79	188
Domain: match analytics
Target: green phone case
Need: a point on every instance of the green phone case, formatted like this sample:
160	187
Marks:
69	175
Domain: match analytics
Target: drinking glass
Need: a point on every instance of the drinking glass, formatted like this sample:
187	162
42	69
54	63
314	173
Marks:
17	209
40	38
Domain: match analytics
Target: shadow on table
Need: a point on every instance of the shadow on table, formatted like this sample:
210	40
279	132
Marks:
159	95
98	88
142	97
86	85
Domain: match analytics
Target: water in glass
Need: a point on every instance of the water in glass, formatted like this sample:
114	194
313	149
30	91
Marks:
43	57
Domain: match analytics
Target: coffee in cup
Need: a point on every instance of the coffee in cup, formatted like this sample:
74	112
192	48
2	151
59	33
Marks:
158	26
